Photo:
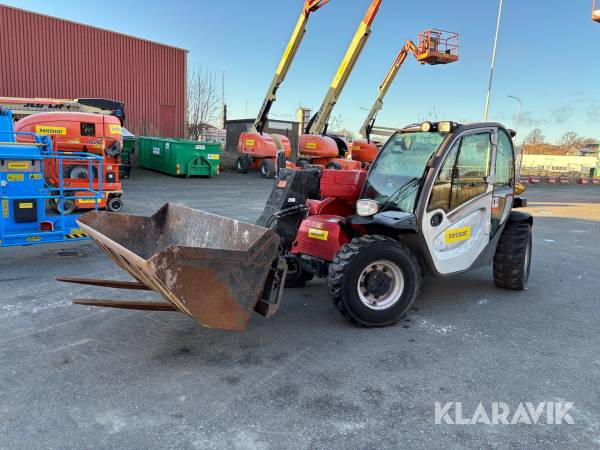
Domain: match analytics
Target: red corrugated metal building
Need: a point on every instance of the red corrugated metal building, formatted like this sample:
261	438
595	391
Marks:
42	56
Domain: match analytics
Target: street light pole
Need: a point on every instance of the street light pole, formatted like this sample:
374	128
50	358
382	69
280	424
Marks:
518	111
489	92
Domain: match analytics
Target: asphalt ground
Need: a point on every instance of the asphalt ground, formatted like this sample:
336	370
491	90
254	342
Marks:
79	377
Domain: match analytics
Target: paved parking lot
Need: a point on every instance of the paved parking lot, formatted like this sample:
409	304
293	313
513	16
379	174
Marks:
77	377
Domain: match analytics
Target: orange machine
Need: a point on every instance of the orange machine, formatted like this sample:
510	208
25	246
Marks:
81	132
435	47
596	12
315	146
258	149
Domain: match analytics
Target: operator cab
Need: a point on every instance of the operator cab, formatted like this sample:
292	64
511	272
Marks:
451	183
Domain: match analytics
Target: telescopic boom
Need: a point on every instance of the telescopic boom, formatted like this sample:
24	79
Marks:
291	49
318	124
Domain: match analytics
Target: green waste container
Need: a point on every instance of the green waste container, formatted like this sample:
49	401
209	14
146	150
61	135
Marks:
130	145
180	157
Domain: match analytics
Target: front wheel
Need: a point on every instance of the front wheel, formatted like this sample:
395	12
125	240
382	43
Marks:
374	280
267	168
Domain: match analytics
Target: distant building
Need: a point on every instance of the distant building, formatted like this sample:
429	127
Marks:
558	165
210	133
547	149
590	150
49	57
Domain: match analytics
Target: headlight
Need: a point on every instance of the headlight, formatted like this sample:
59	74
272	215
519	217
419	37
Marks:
425	127
366	208
444	127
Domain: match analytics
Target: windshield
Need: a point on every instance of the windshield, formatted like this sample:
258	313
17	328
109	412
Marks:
393	180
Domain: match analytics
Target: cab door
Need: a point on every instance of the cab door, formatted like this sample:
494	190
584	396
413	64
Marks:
456	223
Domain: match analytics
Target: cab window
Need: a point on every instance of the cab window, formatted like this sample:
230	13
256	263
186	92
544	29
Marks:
463	173
505	167
442	188
471	169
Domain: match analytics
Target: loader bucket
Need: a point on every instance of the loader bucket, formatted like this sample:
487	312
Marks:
207	266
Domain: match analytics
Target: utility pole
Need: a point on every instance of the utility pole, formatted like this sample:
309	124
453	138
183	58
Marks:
223	105
489	92
518	111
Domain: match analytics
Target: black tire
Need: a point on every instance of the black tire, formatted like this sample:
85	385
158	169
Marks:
512	261
333	165
267	169
242	164
115	204
298	280
68	206
348	268
302	163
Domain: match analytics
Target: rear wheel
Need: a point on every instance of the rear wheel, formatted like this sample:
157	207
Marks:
512	260
333	165
67	206
115	204
374	280
242	164
267	168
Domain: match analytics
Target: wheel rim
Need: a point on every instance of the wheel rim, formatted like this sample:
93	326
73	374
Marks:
79	172
263	170
527	264
380	285
116	205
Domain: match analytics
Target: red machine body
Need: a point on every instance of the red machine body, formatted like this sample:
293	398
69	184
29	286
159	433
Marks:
324	151
322	233
317	146
80	132
260	146
364	151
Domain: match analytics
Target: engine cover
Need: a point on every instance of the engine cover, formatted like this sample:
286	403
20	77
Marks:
320	237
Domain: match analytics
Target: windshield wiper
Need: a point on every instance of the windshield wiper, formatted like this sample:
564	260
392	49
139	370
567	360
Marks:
396	195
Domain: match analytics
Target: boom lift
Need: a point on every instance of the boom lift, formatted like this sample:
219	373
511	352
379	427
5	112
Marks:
259	150
435	47
315	146
595	12
74	132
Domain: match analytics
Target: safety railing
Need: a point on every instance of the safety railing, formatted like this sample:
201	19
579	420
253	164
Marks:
438	41
56	191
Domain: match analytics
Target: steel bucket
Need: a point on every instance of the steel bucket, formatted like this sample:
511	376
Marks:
210	267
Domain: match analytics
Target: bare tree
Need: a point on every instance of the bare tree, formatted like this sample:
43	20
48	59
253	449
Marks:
535	137
569	140
572	140
336	123
204	103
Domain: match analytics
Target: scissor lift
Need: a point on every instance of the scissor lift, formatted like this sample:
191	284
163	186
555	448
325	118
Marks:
24	192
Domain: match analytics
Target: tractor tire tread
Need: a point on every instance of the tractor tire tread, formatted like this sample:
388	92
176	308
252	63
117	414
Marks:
510	256
341	261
